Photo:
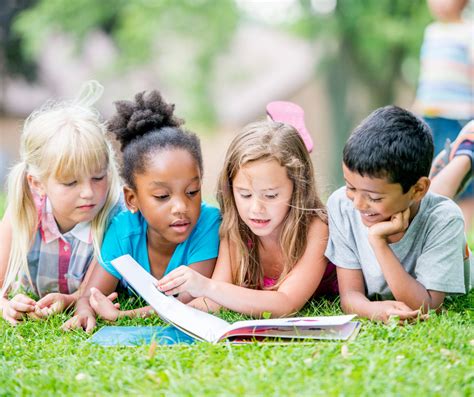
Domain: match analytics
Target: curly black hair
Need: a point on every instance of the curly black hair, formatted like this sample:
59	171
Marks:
145	126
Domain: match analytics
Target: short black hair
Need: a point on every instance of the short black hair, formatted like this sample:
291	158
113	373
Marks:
145	126
391	143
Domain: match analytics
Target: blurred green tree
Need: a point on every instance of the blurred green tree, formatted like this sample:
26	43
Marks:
374	43
135	27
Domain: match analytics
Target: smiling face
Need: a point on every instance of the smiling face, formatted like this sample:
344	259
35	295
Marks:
168	194
262	193
377	200
74	200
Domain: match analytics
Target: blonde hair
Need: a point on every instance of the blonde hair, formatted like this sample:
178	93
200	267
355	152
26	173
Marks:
270	141
63	140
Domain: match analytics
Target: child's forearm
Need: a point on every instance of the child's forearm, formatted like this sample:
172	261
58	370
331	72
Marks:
403	286
142	312
249	301
205	305
354	302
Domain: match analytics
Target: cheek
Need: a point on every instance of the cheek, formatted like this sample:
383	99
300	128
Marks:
349	195
103	188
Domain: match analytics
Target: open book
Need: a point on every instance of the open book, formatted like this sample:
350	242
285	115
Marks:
207	327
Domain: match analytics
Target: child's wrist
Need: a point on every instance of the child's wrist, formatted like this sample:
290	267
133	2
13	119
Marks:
377	241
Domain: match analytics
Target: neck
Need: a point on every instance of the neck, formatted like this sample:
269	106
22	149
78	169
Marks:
414	208
157	243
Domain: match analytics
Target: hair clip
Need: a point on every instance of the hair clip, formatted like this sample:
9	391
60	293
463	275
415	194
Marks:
292	114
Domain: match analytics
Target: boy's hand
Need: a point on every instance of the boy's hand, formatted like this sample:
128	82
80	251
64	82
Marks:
103	305
385	310
183	279
15	309
397	224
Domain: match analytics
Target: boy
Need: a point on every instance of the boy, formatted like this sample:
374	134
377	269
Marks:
391	238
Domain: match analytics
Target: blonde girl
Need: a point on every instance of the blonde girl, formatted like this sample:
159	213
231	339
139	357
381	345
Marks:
60	196
273	232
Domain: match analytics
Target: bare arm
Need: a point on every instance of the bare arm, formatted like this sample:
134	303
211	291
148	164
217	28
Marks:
292	294
103	281
5	246
15	309
103	306
353	299
404	287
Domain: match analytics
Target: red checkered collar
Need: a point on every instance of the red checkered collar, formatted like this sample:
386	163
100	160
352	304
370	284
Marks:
49	228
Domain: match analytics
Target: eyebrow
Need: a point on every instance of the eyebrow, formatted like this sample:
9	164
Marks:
164	184
243	188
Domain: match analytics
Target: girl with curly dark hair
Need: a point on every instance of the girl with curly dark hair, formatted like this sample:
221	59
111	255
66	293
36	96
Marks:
167	224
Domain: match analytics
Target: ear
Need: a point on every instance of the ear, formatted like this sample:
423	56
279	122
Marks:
36	185
420	188
130	197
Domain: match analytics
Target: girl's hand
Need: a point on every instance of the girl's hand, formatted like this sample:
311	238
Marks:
53	303
84	319
184	279
15	309
103	305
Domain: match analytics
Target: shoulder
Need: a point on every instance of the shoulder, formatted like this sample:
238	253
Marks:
209	211
209	216
436	206
125	224
318	229
339	206
437	212
338	198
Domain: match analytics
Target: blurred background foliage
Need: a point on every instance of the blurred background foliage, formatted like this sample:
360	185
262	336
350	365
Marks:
375	42
134	26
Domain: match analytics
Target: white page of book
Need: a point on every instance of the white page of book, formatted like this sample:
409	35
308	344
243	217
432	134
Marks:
192	321
322	321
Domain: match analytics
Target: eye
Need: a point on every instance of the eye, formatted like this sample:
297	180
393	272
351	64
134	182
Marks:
245	195
162	197
375	200
350	188
271	196
193	193
98	178
69	184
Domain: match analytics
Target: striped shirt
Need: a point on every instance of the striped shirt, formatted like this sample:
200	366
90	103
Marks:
446	81
57	262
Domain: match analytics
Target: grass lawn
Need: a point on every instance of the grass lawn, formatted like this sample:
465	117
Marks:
434	358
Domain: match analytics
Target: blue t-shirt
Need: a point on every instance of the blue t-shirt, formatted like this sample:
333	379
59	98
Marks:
127	235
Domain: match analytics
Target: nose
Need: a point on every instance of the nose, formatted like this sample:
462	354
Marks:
86	191
256	206
359	202
179	205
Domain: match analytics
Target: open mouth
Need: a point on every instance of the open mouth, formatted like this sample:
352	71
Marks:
368	215
180	225
259	222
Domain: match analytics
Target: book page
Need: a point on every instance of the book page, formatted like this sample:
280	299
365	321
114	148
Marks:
292	322
336	332
190	320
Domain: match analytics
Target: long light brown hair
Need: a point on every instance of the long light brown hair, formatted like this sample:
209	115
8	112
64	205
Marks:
273	141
